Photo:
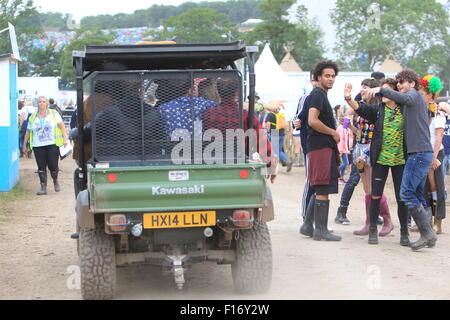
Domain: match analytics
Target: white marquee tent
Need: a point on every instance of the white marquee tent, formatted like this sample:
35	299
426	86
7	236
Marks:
335	95
272	83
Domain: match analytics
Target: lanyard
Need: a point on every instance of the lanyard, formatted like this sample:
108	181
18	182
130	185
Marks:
42	120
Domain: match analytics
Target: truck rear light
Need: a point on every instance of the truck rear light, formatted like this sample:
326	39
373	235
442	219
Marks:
242	218
244	174
112	177
117	222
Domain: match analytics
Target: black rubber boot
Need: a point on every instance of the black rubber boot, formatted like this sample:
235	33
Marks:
321	208
429	213
373	235
54	175
307	227
404	238
428	237
43	180
341	216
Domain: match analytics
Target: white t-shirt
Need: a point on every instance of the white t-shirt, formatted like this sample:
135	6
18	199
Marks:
44	130
29	109
23	114
438	122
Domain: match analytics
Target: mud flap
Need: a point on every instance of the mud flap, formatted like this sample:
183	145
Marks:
85	219
268	212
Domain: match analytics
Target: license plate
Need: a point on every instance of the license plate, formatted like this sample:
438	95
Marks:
166	220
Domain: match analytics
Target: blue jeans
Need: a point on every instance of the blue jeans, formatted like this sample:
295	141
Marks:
446	164
414	178
343	165
352	182
283	156
277	144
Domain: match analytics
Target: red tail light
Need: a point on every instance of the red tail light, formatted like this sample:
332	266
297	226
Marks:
242	218
244	174
118	222
112	177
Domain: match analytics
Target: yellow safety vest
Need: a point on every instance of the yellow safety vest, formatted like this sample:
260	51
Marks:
59	140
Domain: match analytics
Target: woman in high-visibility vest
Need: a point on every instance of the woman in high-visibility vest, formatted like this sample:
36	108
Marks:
46	132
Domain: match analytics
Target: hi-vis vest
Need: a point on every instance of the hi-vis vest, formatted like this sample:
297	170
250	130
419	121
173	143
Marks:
59	140
280	121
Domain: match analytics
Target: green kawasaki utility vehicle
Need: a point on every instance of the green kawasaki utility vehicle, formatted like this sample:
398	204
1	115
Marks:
159	180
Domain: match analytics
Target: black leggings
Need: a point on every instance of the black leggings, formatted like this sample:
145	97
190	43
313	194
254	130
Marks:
379	177
47	156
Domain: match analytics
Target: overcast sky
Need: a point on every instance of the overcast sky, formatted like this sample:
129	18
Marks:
81	8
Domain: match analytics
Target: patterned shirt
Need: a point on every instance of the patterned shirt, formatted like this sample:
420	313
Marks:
393	132
365	131
226	116
180	113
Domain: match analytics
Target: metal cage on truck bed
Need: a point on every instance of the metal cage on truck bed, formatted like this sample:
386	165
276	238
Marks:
167	117
133	119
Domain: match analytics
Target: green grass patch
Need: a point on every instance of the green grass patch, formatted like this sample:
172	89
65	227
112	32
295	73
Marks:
7	200
17	193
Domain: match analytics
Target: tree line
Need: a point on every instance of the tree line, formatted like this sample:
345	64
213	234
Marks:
415	32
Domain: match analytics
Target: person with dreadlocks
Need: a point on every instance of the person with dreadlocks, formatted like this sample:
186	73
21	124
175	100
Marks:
430	87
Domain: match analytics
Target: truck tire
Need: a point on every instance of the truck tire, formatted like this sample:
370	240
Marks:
97	264
252	270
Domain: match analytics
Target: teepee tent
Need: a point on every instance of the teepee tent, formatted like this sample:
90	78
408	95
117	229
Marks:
390	65
288	64
272	83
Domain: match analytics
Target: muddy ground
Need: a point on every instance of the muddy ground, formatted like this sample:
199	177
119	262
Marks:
38	260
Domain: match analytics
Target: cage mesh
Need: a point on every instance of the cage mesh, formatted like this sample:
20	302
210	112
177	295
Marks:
167	117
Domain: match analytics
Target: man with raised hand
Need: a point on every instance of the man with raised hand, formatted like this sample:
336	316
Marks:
420	152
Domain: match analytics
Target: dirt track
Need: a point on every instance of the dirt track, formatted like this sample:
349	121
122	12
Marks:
38	259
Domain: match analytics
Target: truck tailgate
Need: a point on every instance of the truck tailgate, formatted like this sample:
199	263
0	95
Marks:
152	189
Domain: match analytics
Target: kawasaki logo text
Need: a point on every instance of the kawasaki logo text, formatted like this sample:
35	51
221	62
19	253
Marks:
159	191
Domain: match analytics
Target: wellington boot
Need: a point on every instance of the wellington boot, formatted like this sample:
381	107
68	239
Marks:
364	231
54	175
428	237
373	237
385	214
404	239
307	228
321	208
43	180
341	216
43	190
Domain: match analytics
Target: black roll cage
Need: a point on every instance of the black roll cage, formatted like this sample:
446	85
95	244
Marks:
157	57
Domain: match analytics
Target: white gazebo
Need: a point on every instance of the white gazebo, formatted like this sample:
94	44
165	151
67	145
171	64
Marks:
272	83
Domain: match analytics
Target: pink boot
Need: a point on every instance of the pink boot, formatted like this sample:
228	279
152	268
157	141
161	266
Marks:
364	231
387	221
